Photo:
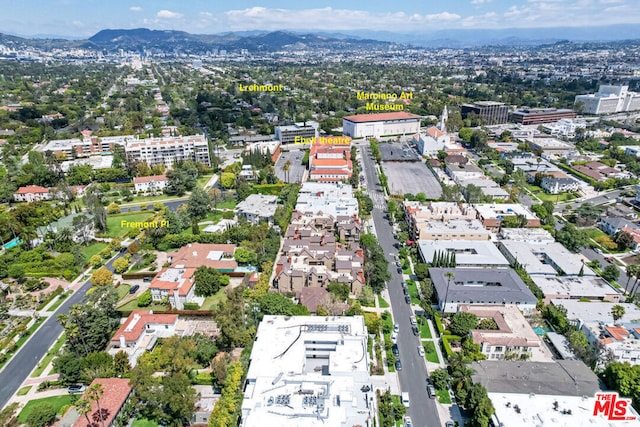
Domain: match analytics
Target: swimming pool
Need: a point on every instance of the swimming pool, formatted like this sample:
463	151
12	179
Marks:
540	330
12	243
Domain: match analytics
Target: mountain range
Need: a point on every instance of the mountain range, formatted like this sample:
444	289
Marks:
262	41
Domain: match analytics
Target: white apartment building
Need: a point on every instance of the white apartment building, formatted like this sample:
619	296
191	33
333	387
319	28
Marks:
169	150
610	99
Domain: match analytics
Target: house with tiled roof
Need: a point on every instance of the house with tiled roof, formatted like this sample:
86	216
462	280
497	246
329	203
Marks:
153	183
619	342
140	332
32	193
193	255
175	284
330	163
376	125
116	391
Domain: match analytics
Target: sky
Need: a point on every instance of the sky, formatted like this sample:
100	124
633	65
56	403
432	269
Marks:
83	18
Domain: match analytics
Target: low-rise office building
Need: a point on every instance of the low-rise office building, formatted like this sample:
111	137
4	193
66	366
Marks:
309	372
537	116
491	112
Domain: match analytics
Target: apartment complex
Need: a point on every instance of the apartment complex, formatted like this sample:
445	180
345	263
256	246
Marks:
298	133
329	198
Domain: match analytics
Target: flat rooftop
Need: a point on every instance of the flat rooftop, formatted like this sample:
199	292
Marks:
468	252
562	377
596	311
547	258
574	286
309	371
530	409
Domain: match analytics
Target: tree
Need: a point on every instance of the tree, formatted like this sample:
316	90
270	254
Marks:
121	264
462	323
340	290
101	277
617	311
277	304
145	299
41	415
465	134
94	393
245	256
228	180
624	240
610	273
572	238
199	204
487	324
474	193
113	208
177	399
440	377
286	168
219	366
421	271
208	281
83	406
121	364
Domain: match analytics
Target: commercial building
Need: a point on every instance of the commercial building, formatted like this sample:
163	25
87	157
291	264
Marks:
513	340
609	99
467	253
480	286
377	125
335	199
298	133
309	372
257	208
491	112
537	116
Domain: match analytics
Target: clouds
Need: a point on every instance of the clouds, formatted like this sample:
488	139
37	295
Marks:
167	14
135	9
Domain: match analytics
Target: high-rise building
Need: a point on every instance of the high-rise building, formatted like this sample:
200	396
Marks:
609	99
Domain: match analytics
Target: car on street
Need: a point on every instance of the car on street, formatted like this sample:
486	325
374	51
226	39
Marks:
394	337
398	365
405	291
449	424
413	320
76	388
407	299
421	350
399	270
415	330
398	264
134	289
395	350
407	421
396	328
431	390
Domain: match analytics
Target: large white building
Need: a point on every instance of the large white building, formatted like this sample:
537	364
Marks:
307	372
610	99
376	125
328	198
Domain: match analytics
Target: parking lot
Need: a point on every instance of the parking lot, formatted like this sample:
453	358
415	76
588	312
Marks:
297	169
399	152
412	178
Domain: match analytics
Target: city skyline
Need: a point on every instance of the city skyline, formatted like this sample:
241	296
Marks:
83	18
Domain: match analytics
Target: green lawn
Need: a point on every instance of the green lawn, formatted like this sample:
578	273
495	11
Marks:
144	423
24	390
56	401
594	233
443	396
133	305
53	351
123	291
92	249
114	225
226	204
214	300
202	180
382	302
413	291
430	352
544	196
425	332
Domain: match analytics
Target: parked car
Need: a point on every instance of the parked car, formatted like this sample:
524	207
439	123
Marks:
407	421
134	289
394	337
399	270
398	365
76	388
395	350
396	328
413	320
449	424
421	350
415	330
405	291
431	390
407	299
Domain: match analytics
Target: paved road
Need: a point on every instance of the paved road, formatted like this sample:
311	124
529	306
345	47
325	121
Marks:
21	365
413	376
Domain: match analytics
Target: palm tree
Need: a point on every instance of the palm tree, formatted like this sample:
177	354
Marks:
617	311
635	284
286	168
95	392
83	406
630	271
450	276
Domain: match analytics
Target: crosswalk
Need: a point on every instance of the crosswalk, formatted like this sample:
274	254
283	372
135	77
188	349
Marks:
378	199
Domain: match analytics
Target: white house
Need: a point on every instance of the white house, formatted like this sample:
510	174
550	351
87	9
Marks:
150	184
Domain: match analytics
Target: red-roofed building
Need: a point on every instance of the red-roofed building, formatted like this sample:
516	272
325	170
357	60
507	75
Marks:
151	183
193	255
116	392
330	163
176	284
140	332
32	193
376	125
